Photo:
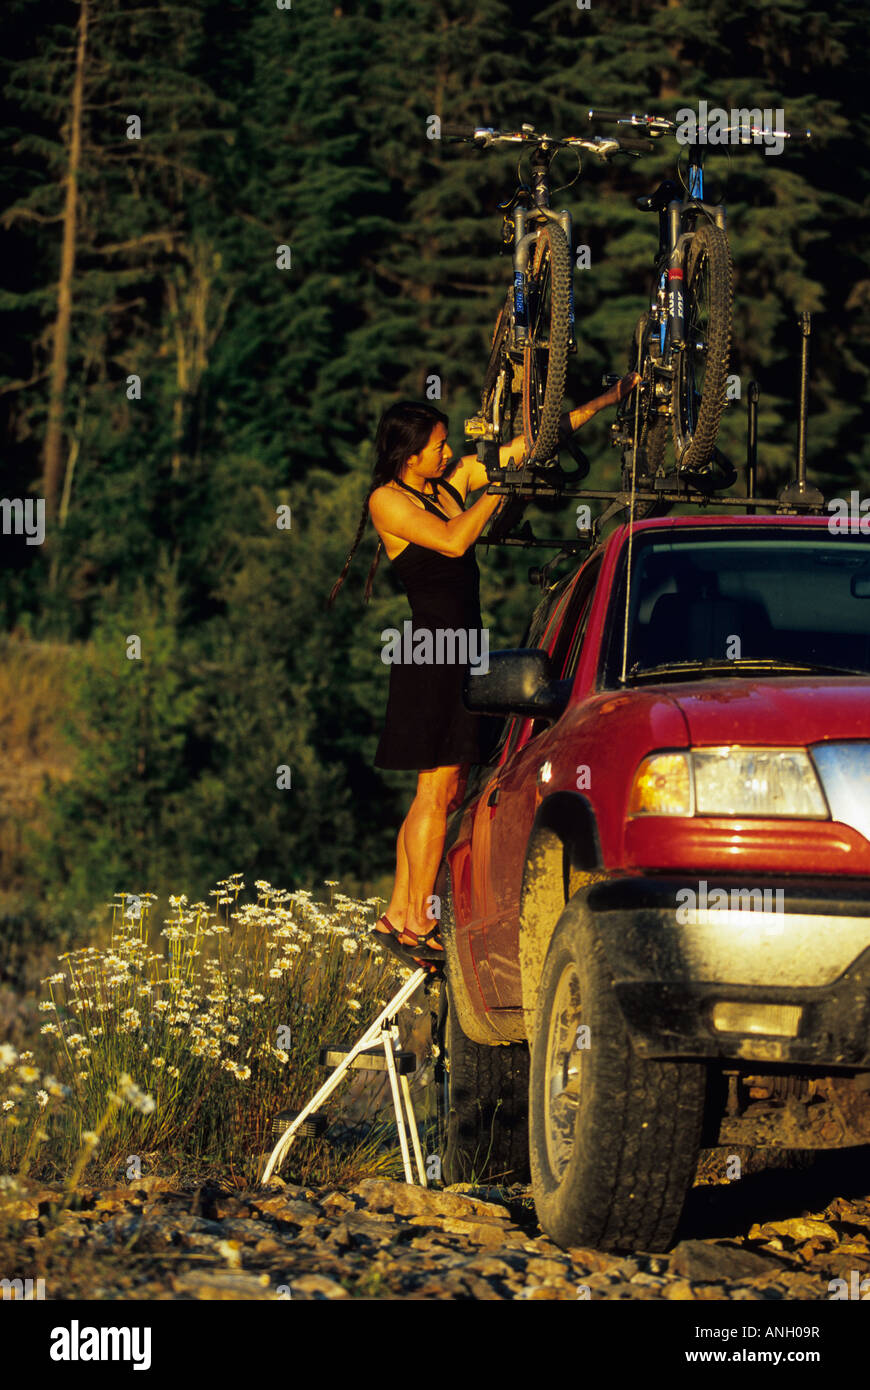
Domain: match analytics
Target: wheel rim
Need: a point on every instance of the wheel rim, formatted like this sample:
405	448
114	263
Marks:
697	336
564	1074
495	365
639	361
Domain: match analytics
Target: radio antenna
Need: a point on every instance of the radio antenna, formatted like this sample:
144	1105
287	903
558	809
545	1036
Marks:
631	500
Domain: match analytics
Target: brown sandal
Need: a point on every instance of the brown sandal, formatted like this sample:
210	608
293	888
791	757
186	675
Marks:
418	954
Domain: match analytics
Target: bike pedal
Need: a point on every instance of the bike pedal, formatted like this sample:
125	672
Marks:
478	428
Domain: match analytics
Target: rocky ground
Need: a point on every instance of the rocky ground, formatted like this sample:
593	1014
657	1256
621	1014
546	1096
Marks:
382	1239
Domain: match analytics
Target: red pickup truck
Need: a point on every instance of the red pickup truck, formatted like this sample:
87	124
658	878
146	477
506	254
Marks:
656	893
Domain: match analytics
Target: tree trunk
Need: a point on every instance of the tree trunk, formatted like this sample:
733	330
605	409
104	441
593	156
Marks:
60	339
671	75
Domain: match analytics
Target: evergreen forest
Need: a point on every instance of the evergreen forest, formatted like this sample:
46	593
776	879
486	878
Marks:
229	242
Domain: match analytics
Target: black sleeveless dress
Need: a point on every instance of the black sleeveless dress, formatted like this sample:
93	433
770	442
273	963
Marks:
427	724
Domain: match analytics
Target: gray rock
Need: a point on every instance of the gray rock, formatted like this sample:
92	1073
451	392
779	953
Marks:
288	1209
206	1285
708	1262
316	1286
408	1200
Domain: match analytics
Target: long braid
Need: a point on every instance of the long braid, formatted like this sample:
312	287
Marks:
360	530
371	579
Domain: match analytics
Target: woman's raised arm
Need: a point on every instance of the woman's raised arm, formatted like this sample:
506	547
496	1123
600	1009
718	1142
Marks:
401	517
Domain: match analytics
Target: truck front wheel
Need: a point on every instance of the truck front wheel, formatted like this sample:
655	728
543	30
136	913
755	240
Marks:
614	1139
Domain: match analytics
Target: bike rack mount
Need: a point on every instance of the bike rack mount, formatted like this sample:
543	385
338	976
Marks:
529	482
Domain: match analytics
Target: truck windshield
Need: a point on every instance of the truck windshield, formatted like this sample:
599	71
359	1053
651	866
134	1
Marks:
771	603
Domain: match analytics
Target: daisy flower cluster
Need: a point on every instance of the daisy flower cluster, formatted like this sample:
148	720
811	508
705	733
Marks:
26	1093
219	1009
28	1097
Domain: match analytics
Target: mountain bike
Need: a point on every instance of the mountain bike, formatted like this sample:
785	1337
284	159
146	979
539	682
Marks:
534	331
681	344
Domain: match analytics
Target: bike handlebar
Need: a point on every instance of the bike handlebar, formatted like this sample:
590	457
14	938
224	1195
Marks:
660	125
657	124
645	129
486	136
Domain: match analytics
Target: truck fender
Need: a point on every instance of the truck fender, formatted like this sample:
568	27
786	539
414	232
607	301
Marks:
563	855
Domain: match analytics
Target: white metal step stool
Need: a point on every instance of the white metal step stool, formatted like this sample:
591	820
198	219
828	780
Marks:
383	1032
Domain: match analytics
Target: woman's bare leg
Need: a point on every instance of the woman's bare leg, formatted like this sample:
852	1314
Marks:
419	845
425	828
397	908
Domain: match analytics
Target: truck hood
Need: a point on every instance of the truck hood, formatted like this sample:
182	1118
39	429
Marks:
775	710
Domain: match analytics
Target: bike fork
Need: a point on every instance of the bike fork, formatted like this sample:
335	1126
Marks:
523	243
675	240
674	326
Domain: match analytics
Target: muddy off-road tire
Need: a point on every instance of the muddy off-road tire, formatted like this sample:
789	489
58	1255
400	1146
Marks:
614	1139
486	1103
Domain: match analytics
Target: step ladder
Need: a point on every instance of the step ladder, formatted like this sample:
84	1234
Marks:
366	1055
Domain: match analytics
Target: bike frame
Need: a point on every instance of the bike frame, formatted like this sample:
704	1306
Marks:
524	239
677	224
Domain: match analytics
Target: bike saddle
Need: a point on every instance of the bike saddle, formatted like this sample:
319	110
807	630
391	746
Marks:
658	201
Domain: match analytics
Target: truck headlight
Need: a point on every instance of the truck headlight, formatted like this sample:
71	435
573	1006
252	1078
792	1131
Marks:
728	781
735	781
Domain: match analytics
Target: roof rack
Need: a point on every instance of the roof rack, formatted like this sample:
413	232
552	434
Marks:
527	483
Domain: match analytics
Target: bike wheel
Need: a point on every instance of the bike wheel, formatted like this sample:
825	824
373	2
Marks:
702	366
652	428
500	397
496	354
545	356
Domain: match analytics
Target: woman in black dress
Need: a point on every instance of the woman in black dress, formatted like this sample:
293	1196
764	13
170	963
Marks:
417	504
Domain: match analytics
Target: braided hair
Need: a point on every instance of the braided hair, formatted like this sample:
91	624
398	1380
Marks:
404	429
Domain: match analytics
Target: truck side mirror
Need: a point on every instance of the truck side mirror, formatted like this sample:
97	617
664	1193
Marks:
518	681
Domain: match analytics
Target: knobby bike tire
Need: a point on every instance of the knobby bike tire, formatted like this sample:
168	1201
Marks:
696	416
549	296
650	456
493	366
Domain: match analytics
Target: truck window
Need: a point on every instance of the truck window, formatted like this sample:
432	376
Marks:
566	653
773	595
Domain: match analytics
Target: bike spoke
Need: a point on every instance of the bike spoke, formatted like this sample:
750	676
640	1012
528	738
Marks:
696	339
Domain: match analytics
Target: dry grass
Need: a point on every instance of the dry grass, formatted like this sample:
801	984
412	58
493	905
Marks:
33	697
171	1047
